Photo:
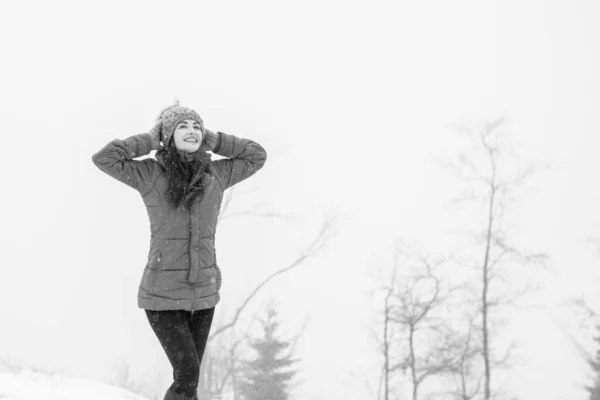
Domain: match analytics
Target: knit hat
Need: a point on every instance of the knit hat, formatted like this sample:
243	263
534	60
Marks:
172	116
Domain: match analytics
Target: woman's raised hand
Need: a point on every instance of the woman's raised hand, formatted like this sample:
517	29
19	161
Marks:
155	136
210	140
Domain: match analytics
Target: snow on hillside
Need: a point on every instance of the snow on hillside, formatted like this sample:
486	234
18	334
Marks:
30	385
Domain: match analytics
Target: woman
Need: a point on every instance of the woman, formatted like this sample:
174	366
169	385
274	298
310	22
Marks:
182	190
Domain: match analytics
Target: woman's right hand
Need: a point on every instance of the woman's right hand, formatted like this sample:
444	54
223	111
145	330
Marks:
155	136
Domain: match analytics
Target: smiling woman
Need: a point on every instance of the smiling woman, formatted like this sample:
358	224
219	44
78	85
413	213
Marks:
186	139
188	136
182	190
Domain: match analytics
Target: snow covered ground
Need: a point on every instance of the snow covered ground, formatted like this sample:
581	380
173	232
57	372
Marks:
31	385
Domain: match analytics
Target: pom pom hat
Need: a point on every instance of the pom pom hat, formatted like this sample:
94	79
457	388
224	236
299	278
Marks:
172	116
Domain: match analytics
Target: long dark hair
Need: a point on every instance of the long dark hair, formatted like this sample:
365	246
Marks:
187	180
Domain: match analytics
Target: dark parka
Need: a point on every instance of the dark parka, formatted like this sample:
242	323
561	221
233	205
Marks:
182	271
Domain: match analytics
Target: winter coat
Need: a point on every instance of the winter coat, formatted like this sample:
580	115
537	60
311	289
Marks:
182	270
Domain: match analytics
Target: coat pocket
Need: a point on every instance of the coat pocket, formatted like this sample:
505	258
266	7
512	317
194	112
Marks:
155	261
151	271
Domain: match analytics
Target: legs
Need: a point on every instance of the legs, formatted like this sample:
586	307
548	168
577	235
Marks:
183	336
200	322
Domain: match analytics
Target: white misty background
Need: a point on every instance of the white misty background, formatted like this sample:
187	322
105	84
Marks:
355	103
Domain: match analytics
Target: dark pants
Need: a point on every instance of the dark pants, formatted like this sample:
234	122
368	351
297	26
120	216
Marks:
183	336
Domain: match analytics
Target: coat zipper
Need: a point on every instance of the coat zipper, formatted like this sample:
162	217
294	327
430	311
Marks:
190	256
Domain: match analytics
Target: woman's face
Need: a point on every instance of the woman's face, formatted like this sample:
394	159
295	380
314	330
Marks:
188	136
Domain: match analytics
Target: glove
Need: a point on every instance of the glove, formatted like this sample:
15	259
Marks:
210	141
155	136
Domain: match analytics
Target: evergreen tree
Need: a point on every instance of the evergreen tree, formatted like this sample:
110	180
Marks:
594	363
268	376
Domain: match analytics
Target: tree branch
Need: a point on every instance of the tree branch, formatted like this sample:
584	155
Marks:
311	251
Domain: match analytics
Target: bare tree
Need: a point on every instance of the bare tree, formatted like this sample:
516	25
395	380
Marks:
467	377
311	251
414	303
417	303
221	366
258	210
221	362
483	170
387	316
387	339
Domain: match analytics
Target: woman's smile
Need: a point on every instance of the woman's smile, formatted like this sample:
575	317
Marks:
188	136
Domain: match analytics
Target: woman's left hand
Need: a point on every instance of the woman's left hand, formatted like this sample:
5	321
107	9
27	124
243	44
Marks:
210	140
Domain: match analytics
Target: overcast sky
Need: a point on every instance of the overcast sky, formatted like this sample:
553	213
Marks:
354	101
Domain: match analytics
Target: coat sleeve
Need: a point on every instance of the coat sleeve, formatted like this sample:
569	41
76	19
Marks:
117	160
244	158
